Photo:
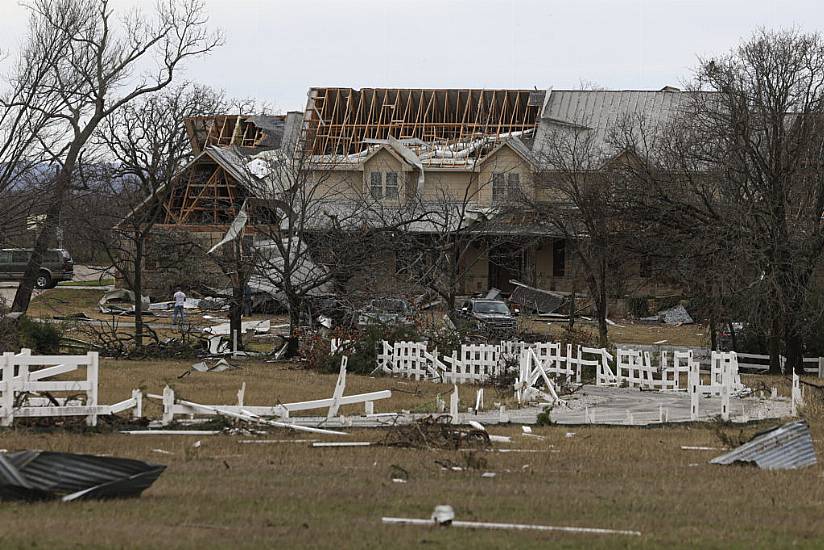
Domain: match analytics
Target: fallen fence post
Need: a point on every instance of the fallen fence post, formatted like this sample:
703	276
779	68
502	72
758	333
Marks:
512	526
340	385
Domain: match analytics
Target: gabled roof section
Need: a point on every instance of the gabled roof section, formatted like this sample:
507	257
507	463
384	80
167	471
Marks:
518	146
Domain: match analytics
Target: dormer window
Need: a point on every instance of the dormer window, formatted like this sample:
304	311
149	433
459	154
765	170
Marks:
505	186
383	185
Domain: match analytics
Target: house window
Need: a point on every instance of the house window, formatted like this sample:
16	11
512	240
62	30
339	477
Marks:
383	185
514	181
376	185
505	186
391	185
499	191
558	258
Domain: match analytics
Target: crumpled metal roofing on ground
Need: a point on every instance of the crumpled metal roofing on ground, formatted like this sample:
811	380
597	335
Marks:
787	447
45	475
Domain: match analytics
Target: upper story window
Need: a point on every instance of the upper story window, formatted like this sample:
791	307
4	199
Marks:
505	186
383	185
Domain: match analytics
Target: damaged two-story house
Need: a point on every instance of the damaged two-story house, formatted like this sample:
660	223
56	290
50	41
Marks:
458	155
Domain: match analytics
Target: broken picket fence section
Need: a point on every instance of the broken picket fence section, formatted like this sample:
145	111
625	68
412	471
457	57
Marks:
26	376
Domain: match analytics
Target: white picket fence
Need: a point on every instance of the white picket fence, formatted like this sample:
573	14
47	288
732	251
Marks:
477	363
25	376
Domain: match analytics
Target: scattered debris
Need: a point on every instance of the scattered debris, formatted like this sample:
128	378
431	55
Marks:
786	447
445	515
112	300
170	432
536	299
220	366
223	329
72	317
342	444
493	294
399	474
676	316
435	433
271	441
45	475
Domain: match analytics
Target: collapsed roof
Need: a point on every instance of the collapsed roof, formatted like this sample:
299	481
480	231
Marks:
447	127
245	131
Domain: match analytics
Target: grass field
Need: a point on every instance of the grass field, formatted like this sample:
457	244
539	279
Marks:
226	493
229	494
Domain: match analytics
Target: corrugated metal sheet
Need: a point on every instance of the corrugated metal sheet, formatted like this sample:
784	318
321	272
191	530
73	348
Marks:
787	447
42	475
599	111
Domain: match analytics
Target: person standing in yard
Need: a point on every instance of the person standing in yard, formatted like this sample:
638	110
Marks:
178	316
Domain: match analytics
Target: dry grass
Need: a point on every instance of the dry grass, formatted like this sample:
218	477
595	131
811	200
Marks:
228	494
64	301
629	332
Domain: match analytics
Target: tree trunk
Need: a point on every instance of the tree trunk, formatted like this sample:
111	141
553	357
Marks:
794	344
62	182
712	328
294	313
733	336
235	321
138	294
572	300
774	343
601	304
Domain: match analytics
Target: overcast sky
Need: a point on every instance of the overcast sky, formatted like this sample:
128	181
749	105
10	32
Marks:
276	49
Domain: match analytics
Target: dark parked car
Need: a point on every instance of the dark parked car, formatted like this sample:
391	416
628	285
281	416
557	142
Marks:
491	317
57	266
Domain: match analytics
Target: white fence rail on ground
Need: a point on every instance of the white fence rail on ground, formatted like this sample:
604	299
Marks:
24	376
173	406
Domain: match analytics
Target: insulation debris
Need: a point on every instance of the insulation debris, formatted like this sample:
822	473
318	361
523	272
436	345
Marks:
120	301
786	447
675	316
42	475
260	327
220	366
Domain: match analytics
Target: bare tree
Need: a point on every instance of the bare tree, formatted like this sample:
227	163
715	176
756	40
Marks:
742	168
94	75
578	188
146	144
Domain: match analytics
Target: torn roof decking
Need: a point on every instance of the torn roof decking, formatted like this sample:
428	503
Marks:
260	131
342	121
